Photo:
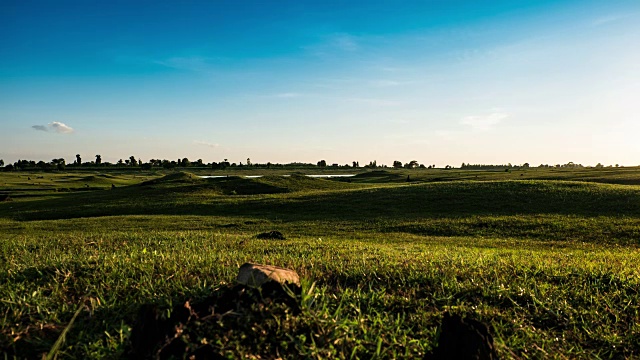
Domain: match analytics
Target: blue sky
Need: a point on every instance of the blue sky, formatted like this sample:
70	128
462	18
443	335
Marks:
441	82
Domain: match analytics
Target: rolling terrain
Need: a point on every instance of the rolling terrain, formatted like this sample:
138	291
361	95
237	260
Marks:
547	258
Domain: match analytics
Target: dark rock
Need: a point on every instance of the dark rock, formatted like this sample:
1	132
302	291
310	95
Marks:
273	235
464	338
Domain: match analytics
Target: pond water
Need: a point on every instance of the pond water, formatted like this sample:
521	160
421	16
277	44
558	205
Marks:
325	176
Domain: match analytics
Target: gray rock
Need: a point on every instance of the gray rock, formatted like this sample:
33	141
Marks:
256	275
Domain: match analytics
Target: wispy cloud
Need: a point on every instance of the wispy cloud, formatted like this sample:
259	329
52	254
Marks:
344	42
444	134
55	126
191	63
484	122
205	143
288	95
609	19
334	44
389	83
374	101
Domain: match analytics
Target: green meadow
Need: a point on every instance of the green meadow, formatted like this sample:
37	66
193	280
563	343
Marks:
548	258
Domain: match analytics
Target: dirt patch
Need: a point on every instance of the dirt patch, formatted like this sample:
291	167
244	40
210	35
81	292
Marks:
230	309
272	235
464	338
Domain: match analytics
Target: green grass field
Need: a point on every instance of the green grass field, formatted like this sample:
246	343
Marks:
547	257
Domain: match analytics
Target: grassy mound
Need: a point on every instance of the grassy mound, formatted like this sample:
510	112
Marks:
180	177
378	176
300	183
243	186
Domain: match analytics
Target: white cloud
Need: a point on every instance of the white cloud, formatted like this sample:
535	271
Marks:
483	122
60	127
205	143
56	126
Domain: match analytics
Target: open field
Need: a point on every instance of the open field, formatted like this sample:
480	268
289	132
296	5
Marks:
548	257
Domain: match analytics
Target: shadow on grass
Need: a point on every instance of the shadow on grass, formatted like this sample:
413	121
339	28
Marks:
409	202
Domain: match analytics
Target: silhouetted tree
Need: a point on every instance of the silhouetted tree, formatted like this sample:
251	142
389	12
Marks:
397	164
60	164
248	162
132	161
1	163
98	160
411	164
185	162
78	160
167	164
322	163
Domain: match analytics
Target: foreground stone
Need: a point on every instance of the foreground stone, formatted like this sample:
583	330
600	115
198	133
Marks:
256	275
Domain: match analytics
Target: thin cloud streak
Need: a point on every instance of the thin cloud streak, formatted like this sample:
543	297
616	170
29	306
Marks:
288	95
205	143
373	101
483	122
609	19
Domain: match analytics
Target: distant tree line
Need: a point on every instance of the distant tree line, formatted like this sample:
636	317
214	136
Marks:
492	167
133	163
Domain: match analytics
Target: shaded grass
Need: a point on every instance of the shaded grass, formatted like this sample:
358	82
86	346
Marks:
435	200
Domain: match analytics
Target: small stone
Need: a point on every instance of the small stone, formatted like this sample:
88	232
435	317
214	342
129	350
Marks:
257	275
